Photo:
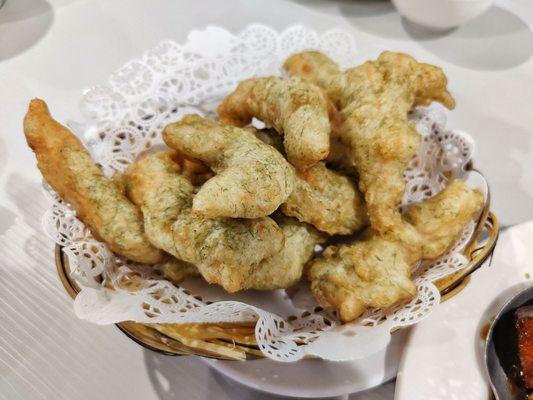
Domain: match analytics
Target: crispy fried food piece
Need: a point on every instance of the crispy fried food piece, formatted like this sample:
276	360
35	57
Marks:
441	219
118	181
293	107
376	272
270	137
224	250
327	200
252	179
99	203
374	99
196	171
351	278
316	67
428	81
176	270
198	174
285	268
322	197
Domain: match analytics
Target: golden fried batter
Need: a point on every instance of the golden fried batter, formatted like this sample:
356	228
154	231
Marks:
441	219
176	270
196	171
99	203
285	268
270	137
293	107
315	67
351	278
119	181
252	179
327	200
224	250
427	81
322	197
374	99
376	272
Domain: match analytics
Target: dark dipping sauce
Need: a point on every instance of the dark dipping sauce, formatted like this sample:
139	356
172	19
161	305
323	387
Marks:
484	332
505	338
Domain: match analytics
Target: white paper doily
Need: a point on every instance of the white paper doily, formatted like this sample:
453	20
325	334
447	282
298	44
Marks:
126	116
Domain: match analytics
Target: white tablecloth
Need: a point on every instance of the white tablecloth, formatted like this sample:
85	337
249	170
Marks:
54	49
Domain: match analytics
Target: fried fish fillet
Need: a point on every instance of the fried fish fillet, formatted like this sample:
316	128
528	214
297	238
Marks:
252	179
224	250
327	200
441	219
344	87
270	137
285	268
322	197
351	278
376	272
315	67
293	107
374	99
176	270
99	203
194	170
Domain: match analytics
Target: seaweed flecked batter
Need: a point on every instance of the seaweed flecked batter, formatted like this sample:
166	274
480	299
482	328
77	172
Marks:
67	167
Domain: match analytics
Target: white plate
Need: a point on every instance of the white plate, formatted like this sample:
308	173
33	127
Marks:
443	355
316	378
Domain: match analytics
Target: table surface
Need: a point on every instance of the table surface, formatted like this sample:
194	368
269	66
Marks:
55	49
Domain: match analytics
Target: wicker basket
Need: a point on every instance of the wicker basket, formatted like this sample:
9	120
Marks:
479	249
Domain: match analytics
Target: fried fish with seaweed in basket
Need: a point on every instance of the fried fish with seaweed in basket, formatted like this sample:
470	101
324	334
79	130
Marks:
327	199
376	272
295	108
225	250
98	201
252	178
378	139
